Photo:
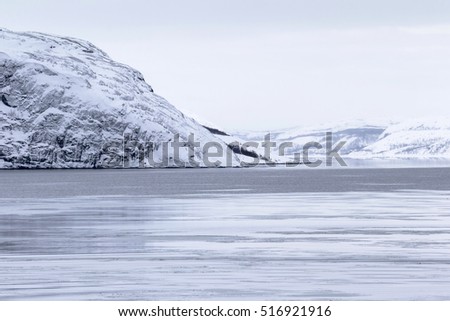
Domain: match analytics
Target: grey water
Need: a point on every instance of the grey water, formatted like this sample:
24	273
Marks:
225	234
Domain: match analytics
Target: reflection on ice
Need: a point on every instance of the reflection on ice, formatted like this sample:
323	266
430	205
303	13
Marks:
352	245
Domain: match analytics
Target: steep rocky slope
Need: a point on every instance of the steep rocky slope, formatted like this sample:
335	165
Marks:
66	104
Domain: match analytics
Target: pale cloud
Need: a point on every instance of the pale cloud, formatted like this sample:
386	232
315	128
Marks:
433	30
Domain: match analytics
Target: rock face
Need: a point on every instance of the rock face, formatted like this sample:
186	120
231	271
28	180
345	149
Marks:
66	104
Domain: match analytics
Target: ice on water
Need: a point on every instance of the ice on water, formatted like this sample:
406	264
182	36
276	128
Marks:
366	244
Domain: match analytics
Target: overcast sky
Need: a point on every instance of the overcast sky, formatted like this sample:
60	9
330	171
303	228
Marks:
256	64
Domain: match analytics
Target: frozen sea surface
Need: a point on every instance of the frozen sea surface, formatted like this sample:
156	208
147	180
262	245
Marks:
225	234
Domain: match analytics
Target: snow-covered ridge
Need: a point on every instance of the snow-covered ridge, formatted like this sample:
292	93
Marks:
419	138
414	138
65	104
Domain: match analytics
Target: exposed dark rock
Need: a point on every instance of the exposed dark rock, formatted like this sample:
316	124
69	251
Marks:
215	131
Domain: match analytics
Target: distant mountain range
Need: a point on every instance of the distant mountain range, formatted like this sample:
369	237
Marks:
411	139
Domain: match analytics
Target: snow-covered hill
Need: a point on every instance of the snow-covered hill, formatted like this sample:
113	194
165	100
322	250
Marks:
65	104
419	138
